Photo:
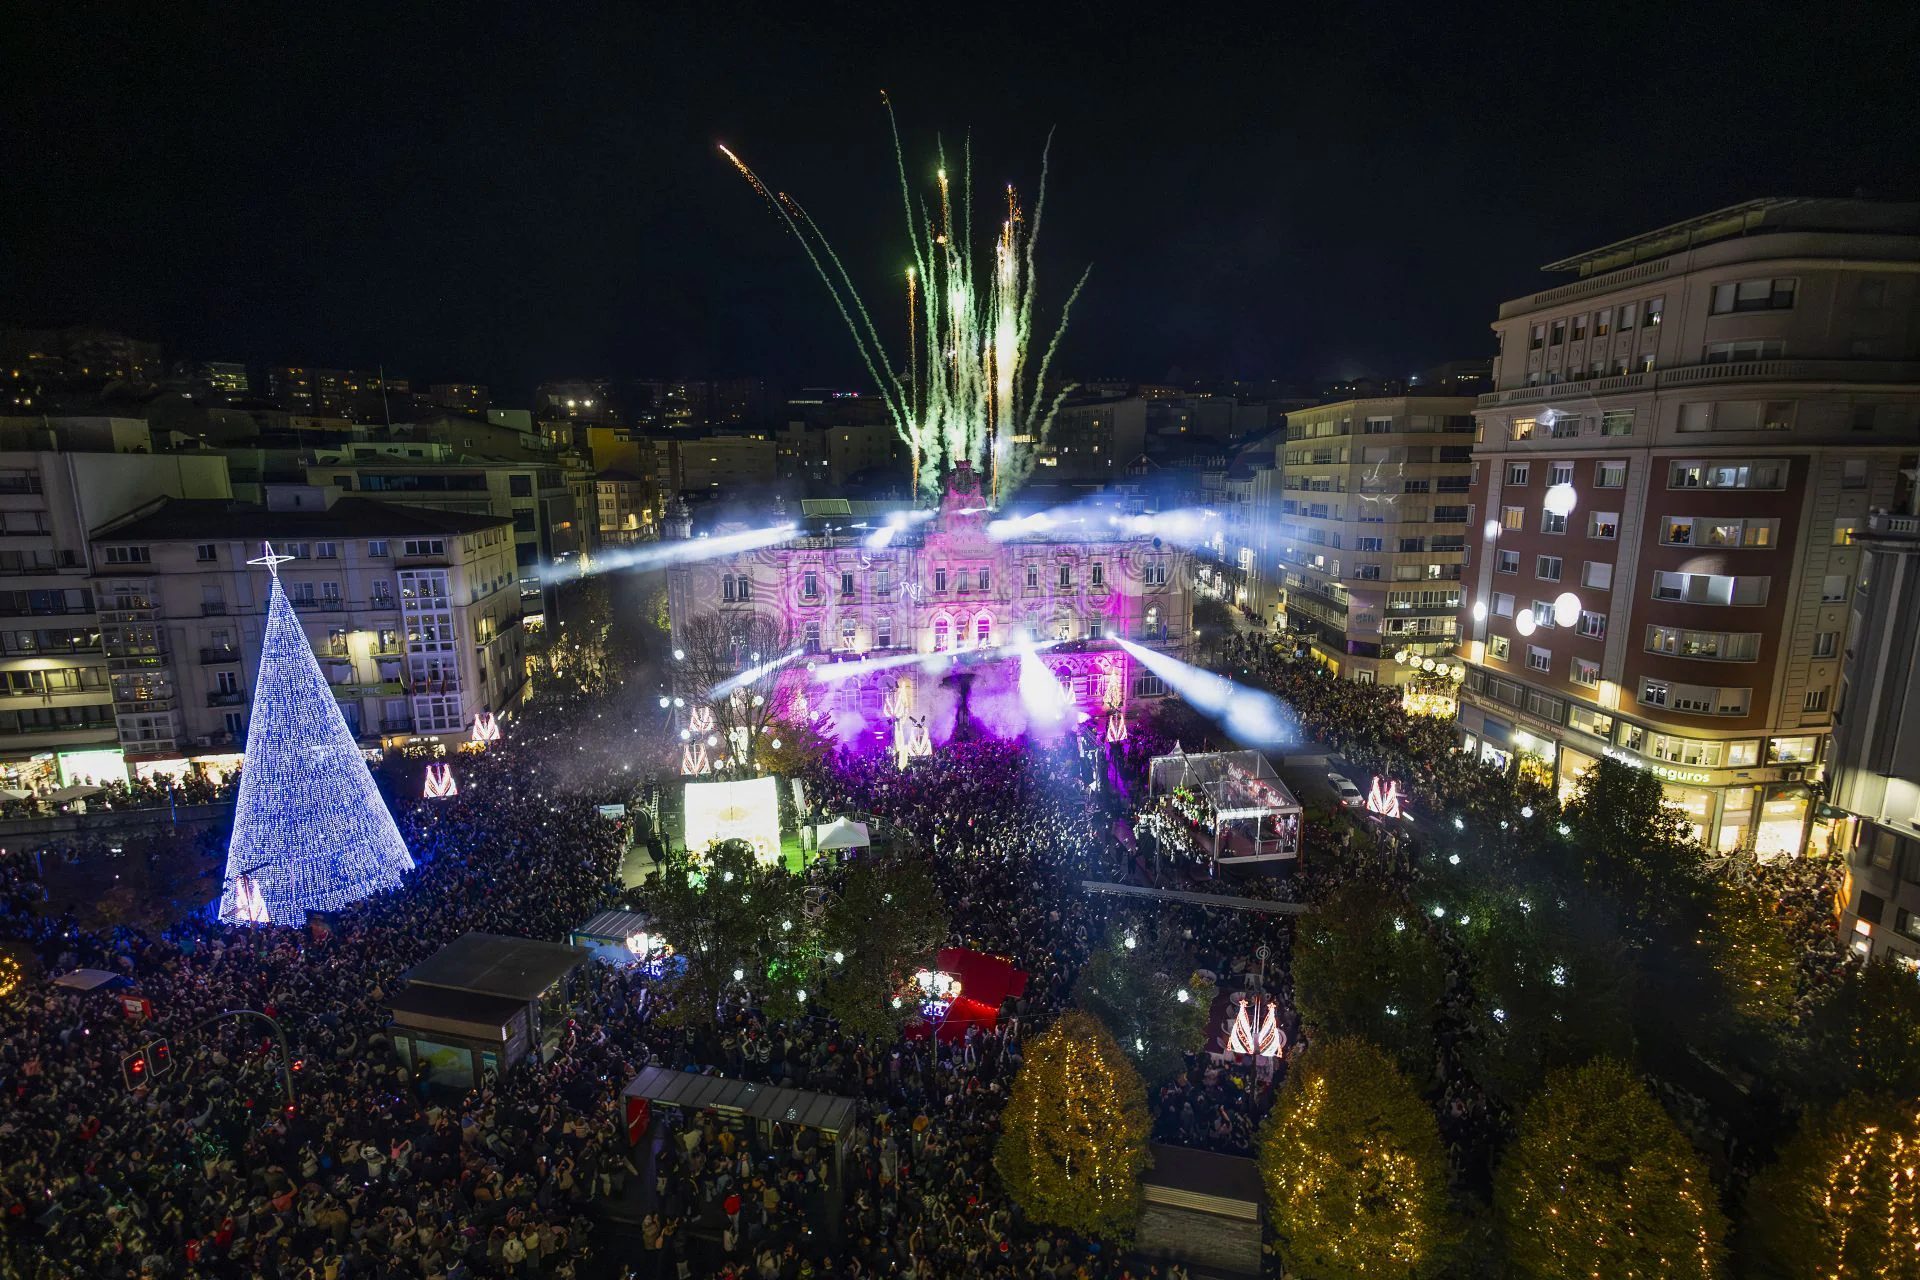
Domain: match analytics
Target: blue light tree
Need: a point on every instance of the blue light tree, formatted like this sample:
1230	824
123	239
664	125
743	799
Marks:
310	832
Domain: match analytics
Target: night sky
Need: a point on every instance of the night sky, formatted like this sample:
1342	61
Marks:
505	193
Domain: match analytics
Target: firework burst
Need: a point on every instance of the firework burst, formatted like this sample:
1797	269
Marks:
967	388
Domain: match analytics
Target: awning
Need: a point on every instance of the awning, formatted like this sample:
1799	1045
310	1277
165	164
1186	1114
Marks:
78	791
841	833
612	927
14	793
85	979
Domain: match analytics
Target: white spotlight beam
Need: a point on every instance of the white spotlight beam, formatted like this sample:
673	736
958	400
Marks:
834	672
1046	700
751	674
1251	716
656	555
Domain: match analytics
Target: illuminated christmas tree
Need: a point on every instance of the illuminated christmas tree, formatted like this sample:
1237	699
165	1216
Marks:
310	832
1073	1138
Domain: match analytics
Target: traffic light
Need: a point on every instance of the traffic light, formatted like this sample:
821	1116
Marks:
160	1054
137	1069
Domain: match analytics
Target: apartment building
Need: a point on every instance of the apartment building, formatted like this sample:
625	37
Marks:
625	512
1235	563
1669	477
1371	530
412	613
1875	765
57	721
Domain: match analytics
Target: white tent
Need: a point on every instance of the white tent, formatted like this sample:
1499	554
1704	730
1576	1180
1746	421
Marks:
841	833
84	979
78	791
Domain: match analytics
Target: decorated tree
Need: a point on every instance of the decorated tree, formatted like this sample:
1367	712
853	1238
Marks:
725	913
1366	967
1844	1198
732	666
1073	1136
790	749
1600	1182
1864	1037
884	917
1354	1170
1142	986
1552	987
1756	960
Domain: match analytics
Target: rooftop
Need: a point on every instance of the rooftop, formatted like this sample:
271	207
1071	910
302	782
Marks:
1754	217
493	964
178	519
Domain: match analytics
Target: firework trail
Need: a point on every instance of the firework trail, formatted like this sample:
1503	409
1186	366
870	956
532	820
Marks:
966	389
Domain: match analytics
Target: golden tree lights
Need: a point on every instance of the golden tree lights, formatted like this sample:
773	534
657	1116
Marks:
1073	1137
1844	1198
11	975
1600	1182
1354	1170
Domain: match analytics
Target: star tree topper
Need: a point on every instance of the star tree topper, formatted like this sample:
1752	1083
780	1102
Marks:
272	561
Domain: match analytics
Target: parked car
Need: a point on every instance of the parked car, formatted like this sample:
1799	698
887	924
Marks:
1343	787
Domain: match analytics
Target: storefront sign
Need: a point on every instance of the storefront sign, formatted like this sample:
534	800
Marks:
1664	772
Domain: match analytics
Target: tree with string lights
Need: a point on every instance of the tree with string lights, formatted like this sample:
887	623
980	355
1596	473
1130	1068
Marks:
1364	966
1073	1136
884	917
1355	1174
1600	1182
1143	988
1843	1199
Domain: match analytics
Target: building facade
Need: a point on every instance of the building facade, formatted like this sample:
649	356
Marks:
1875	766
413	614
57	720
1669	476
1372	525
946	585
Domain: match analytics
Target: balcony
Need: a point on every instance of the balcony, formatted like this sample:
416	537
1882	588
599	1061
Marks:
1873	372
219	699
216	657
323	604
209	609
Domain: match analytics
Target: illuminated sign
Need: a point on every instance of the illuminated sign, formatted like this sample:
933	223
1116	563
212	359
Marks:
748	810
1383	798
1269	1042
1664	772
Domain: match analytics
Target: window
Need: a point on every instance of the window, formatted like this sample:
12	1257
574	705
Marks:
1603	323
1792	750
810	636
1825	643
1033	577
1506	562
126	555
1099	572
1603	524
1843	532
1537	337
726	589
1777	415
1522	429
1539	659
939	580
1774	294
883	633
1499	647
377	549
1853	473
1700	531
1559	473
1739	475
1546	568
1585	672
424	547
941	630
1627	312
1552	522
810	583
1721	646
1580	326
849	633
1516	473
1655	310
1156	573
1597	574
1654	693
982	579
1559	332
1543	615
1416	486
846	584
1587	720
1370	544
1502	605
1592	625
1816	700
327	550
1066	576
520	486
1745	349
983	631
1513	517
1833	588
1379	426
1711	588
206	553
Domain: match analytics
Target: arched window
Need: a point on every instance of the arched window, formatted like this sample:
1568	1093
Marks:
1153	623
940	629
983	631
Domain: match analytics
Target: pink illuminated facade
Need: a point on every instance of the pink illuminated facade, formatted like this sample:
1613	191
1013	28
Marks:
943	587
